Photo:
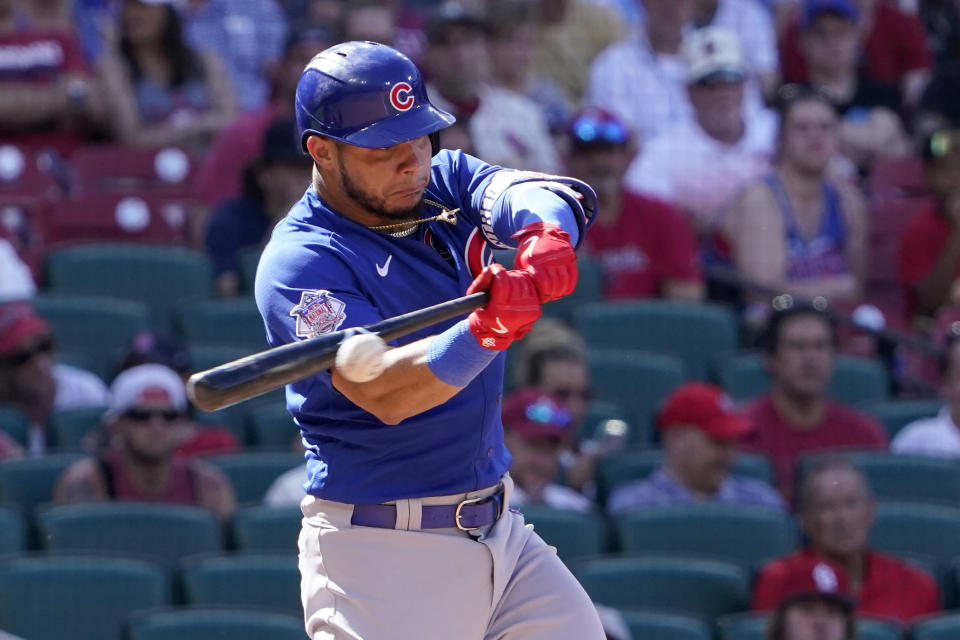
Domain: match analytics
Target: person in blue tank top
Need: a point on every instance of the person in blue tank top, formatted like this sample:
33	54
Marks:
406	530
799	229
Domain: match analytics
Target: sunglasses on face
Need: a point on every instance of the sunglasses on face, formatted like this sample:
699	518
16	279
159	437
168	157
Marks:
548	414
146	415
588	130
22	357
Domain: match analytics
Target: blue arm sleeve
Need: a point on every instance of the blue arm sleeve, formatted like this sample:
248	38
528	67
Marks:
527	203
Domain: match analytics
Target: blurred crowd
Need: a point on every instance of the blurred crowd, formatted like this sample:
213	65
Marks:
740	149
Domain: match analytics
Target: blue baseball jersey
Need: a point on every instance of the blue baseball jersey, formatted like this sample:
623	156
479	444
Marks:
321	272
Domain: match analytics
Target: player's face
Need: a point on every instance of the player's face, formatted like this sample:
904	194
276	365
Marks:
809	136
803	362
151	431
813	620
388	182
838	513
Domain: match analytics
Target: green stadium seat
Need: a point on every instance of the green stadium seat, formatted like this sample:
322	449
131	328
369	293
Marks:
29	482
665	626
248	261
69	428
637	382
896	478
13	531
750	626
14	423
163	533
99	328
694	333
573	533
695	587
271	427
912	529
264	582
746	535
252	473
629	465
943	627
80	598
855	381
589	289
214	624
267	529
896	414
603	420
161	277
231	323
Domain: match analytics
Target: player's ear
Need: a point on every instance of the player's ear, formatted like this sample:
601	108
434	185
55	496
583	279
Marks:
321	149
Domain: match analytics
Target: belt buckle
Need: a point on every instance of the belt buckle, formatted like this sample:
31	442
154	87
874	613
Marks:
456	515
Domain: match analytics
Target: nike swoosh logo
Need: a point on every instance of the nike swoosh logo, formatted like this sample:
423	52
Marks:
530	244
385	268
500	328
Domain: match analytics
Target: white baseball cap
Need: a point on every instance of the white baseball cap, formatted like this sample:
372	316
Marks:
713	51
144	383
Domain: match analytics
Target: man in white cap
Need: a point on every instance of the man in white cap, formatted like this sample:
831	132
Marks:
148	404
699	164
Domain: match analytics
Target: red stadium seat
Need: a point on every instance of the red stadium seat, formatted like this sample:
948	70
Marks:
22	224
119	216
114	167
29	173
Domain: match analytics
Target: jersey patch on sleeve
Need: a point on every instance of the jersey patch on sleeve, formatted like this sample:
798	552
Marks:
317	313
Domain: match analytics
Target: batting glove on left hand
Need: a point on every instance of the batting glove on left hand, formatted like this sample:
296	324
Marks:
545	252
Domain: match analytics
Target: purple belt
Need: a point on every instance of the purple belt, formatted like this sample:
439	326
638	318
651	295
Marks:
467	515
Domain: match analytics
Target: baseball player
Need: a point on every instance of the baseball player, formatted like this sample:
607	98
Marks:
406	531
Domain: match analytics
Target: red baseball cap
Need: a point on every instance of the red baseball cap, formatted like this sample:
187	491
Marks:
814	578
706	407
18	323
533	414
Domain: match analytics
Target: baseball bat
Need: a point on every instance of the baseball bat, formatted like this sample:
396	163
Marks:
256	374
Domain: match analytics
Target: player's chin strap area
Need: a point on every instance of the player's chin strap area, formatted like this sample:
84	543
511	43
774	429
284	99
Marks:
466	515
578	194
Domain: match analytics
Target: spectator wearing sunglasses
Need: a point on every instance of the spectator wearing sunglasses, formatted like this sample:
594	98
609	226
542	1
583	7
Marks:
699	429
645	246
535	426
147	408
31	380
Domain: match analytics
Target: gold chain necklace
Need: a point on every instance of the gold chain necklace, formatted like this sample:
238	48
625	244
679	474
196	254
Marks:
445	215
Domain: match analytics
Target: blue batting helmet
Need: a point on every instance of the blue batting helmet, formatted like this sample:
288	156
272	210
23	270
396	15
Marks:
367	95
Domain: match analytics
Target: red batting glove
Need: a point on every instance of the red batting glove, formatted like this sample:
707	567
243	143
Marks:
544	250
513	307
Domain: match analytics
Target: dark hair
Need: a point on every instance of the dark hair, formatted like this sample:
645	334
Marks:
818	465
792	94
538	360
775	626
770	338
944	359
186	63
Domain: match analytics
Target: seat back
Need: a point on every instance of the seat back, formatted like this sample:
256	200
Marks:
252	473
917	529
262	582
894	415
231	323
209	624
28	482
665	626
267	529
896	478
575	534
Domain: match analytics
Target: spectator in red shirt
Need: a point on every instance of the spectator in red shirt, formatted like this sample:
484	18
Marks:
796	416
814	603
930	247
646	246
893	47
837	514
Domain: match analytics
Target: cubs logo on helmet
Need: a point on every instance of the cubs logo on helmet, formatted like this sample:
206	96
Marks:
401	96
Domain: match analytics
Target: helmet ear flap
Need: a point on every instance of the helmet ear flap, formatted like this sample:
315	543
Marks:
435	143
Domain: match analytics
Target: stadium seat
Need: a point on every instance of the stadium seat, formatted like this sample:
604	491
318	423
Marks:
252	472
856	380
597	422
589	289
29	172
118	216
99	328
80	598
745	535
637	382
573	533
230	323
123	168
896	478
29	482
896	414
749	626
214	624
162	533
265	582
14	423
267	529
161	277
665	626
13	531
688	586
942	627
271	427
629	465
917	529
694	333
248	261
68	428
